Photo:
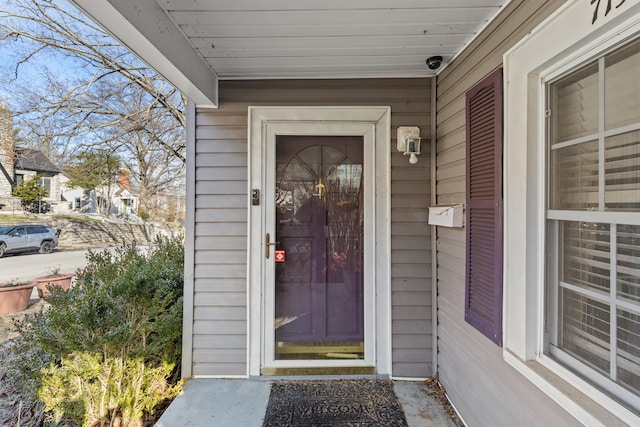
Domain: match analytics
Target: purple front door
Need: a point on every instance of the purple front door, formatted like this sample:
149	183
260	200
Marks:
319	226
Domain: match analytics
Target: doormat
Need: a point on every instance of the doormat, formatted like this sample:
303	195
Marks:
344	403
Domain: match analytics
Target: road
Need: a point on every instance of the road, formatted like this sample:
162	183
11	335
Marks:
28	266
31	265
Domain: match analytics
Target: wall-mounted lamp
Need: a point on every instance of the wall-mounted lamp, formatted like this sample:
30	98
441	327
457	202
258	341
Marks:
408	142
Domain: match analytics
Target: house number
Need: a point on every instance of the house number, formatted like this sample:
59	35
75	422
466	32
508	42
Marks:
607	10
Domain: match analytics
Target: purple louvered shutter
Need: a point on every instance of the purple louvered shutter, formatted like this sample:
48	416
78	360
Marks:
483	294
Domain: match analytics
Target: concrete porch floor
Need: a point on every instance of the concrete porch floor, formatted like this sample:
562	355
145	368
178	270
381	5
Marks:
243	403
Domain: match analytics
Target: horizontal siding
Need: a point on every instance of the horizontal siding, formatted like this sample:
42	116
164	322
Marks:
470	366
411	274
219	342
220	313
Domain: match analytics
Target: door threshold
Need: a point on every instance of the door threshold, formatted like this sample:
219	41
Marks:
319	351
337	370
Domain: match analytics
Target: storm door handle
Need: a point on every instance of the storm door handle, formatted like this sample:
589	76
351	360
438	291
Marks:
268	245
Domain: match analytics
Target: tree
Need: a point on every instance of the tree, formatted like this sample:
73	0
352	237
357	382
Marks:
154	170
97	171
31	193
110	100
41	26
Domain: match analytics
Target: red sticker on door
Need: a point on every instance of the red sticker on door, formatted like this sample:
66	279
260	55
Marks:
280	256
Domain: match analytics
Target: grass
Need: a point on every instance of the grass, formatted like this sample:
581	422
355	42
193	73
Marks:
76	218
13	219
10	219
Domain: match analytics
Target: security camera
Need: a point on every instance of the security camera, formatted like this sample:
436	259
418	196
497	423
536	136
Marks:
434	62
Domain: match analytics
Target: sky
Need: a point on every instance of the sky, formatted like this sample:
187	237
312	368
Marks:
30	73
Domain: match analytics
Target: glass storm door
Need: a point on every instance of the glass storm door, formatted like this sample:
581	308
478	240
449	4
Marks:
319	310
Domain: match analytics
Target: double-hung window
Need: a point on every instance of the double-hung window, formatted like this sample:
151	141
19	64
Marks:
45	182
593	222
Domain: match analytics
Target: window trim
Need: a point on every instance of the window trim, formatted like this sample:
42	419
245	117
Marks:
561	42
602	216
45	181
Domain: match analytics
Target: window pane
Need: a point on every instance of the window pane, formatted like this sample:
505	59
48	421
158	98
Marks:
628	266
585	329
622	172
594	305
45	182
585	258
628	357
622	87
576	105
574	177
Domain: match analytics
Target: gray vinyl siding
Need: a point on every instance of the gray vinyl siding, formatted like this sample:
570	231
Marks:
485	390
220	309
220	312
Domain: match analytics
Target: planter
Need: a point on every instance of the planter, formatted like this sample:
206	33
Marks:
14	298
61	280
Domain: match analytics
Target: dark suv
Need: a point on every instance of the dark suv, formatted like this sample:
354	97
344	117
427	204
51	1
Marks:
25	238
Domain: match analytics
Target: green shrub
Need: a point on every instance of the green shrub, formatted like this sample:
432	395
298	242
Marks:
113	391
109	347
144	215
30	191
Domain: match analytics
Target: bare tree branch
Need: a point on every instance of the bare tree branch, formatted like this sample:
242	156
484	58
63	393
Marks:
105	98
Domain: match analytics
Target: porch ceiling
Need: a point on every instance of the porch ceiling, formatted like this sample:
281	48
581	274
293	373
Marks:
195	42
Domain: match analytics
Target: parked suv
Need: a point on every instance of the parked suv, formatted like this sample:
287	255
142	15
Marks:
24	238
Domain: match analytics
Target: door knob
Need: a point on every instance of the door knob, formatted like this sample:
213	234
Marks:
268	245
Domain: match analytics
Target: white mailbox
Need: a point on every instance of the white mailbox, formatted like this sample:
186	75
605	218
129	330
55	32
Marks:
446	216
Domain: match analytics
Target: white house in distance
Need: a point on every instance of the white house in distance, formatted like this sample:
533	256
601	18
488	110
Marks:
123	201
311	245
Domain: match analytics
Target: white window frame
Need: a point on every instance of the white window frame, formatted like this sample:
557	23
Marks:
611	218
560	43
44	182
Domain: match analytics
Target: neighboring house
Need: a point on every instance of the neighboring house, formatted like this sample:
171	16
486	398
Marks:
309	249
124	202
30	163
116	198
74	197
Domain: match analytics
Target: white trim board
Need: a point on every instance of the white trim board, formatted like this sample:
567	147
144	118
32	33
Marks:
189	246
374	124
564	40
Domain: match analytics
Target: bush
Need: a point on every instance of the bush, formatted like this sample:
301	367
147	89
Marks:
144	215
112	391
31	192
107	350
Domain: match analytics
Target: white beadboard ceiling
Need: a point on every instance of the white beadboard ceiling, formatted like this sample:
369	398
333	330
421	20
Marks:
268	39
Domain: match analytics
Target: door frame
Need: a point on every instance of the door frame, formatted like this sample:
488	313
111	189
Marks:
374	125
